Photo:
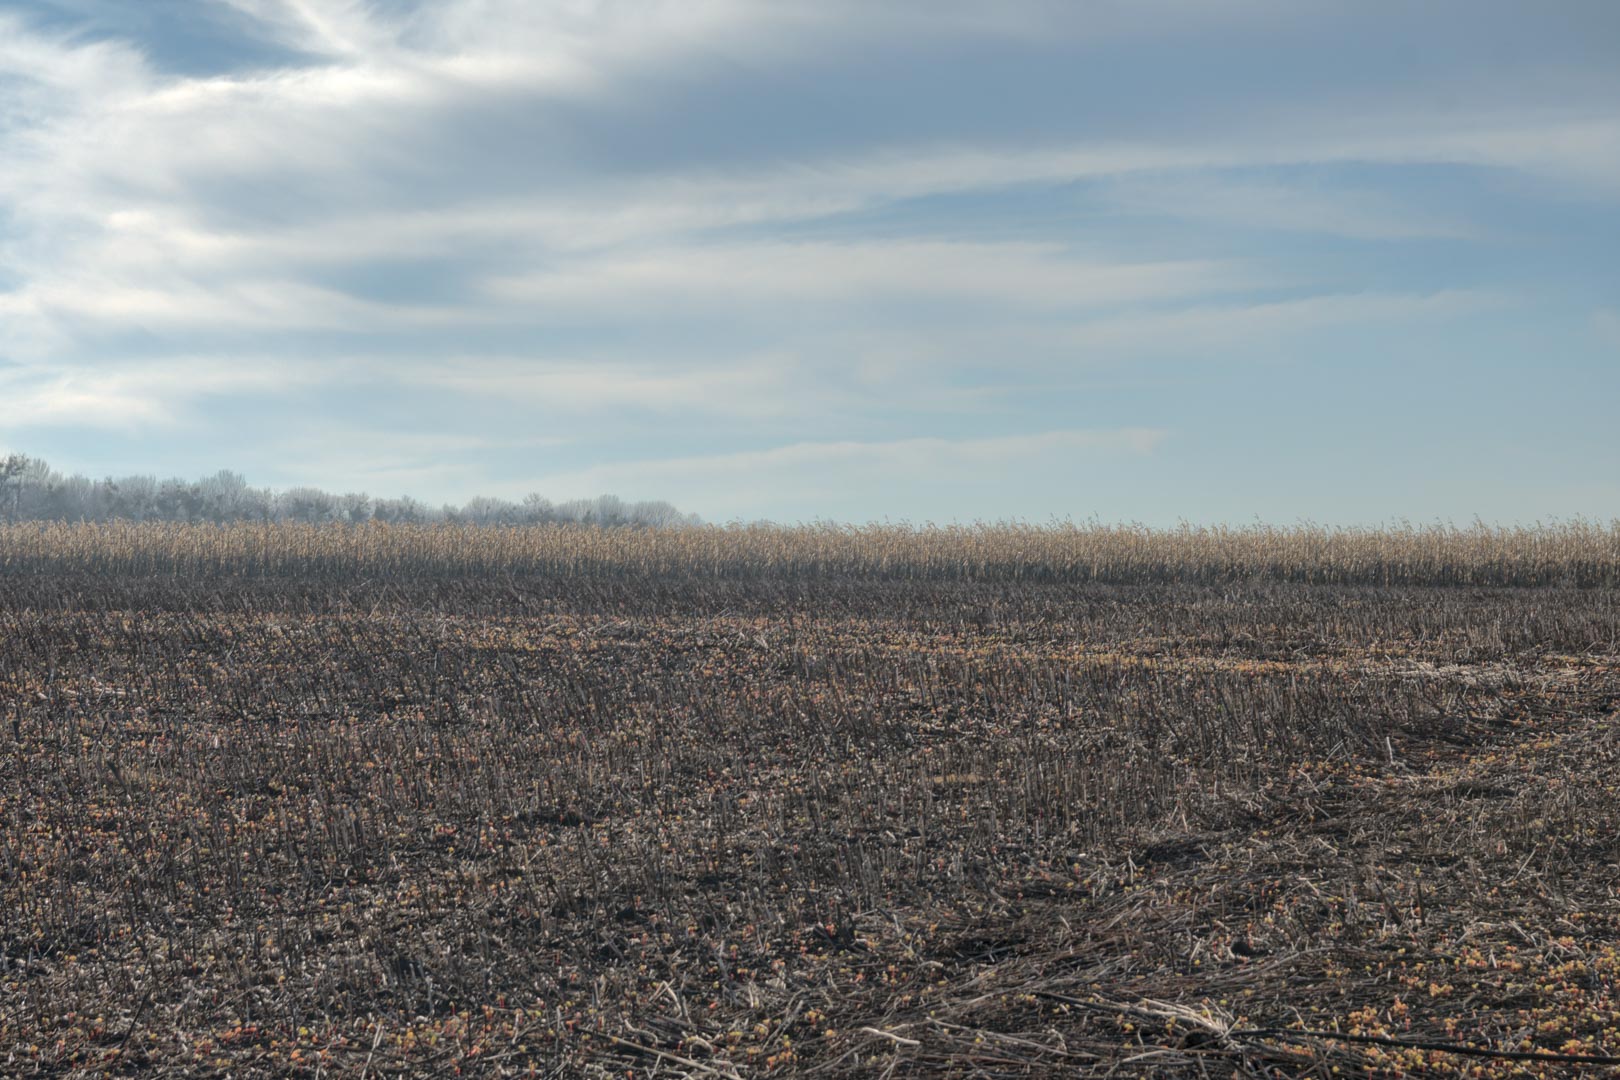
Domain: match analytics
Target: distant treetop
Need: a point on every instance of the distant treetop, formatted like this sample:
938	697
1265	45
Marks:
30	490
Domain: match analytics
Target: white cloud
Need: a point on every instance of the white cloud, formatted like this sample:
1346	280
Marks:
124	180
103	255
758	386
56	311
811	478
442	465
1014	274
231	213
1201	330
1581	150
1298	207
337	28
137	395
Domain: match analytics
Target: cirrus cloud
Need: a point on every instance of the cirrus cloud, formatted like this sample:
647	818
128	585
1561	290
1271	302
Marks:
692	232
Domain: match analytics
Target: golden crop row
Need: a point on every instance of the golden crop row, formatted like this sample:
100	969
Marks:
1572	553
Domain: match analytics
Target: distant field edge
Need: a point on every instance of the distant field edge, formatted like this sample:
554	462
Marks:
1578	553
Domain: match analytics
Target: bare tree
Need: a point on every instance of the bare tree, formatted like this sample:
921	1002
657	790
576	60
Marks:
31	490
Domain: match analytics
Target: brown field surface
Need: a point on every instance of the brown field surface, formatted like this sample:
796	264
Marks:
344	802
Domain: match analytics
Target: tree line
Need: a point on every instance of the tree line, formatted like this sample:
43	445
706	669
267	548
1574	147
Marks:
30	490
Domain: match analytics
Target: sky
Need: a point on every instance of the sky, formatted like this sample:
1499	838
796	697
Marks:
920	260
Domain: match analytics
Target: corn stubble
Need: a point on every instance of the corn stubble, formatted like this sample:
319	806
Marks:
991	801
1579	553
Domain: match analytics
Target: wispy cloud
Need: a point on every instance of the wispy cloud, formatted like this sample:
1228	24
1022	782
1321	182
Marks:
760	386
135	396
1307	207
1199	330
688	220
389	462
828	478
1013	274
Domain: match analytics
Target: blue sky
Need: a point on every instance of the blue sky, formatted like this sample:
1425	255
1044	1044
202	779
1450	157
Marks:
1166	259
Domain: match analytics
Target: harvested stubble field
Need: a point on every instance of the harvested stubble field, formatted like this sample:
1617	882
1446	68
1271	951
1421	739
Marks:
282	801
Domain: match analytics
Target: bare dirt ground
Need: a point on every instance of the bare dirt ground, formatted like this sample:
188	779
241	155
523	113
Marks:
868	828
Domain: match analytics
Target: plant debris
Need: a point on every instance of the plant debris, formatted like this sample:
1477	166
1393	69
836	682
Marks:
417	816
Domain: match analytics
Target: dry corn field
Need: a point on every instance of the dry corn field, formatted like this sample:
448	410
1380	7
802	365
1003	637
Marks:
746	802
